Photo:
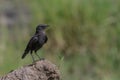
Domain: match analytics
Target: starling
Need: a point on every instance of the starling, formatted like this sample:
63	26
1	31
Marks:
37	41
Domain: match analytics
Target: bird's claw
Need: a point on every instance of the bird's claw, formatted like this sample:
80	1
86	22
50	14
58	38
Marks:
42	58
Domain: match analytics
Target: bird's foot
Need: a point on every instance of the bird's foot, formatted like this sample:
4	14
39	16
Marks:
33	62
42	59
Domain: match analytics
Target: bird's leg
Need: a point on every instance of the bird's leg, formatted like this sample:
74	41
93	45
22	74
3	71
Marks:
38	56
32	57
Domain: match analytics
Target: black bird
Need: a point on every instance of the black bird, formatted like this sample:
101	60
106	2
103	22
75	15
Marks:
37	41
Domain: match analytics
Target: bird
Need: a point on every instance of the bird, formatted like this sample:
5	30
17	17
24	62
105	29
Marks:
37	41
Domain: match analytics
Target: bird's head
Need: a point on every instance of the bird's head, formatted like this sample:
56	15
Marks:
42	27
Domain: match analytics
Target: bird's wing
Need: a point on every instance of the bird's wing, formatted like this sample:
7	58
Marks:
46	39
33	40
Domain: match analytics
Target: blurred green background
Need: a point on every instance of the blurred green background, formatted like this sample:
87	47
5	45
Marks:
83	36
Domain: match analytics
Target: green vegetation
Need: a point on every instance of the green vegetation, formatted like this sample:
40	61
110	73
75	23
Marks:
84	38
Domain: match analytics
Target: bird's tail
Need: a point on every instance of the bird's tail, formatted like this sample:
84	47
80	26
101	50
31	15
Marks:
24	54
